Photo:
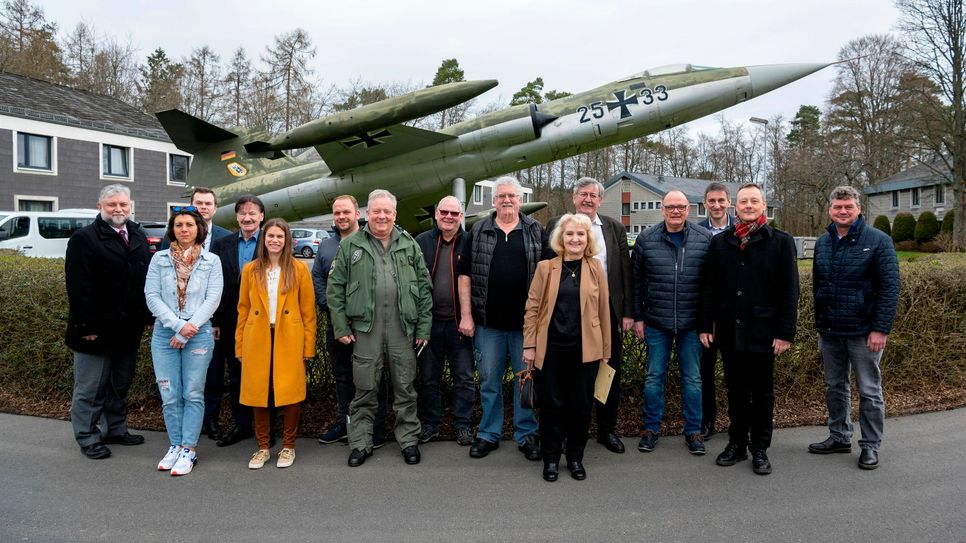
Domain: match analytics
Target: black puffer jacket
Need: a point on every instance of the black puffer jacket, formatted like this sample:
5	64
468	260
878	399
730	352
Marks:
667	280
855	281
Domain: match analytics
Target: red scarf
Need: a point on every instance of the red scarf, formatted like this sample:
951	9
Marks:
744	230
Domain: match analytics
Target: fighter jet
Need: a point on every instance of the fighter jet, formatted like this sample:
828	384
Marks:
370	147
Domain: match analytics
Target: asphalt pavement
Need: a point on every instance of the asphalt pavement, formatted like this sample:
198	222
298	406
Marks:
51	492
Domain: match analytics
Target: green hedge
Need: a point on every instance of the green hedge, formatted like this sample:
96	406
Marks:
927	226
949	220
882	223
903	227
925	350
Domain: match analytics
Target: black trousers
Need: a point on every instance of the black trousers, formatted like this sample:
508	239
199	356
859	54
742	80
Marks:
607	413
565	390
709	403
750	379
222	357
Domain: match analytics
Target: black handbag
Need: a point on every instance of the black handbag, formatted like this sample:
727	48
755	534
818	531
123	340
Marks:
528	388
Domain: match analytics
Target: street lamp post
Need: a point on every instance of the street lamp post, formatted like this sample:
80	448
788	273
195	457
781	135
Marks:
764	151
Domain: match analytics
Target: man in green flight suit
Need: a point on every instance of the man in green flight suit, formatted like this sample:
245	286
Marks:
380	298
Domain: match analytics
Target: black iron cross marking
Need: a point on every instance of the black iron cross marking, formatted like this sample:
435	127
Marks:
622	103
371	139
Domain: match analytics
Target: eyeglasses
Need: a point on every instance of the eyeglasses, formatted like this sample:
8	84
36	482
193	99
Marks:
508	196
179	209
591	195
675	208
445	213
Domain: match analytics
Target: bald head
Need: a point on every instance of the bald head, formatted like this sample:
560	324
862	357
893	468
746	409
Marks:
449	216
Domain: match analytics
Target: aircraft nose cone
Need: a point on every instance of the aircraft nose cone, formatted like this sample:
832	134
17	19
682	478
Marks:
769	77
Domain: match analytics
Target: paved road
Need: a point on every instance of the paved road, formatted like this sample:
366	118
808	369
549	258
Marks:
50	492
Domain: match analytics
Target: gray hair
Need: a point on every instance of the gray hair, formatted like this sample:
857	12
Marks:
113	190
381	193
845	192
455	199
587	181
507	181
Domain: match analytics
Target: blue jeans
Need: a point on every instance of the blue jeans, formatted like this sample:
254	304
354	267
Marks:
688	349
492	348
839	354
180	375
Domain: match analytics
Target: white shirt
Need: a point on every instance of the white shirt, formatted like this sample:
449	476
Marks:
598	230
273	276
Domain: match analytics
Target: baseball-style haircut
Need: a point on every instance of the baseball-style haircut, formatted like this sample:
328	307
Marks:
249	199
381	193
113	190
716	187
203	190
199	222
583	222
845	192
351	198
587	181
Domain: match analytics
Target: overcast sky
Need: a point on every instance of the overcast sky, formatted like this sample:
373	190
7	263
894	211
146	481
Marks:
574	45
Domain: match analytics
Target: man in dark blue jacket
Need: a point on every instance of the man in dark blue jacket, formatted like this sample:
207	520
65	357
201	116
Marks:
667	262
855	280
441	249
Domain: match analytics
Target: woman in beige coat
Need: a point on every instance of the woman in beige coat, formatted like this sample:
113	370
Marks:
274	338
566	335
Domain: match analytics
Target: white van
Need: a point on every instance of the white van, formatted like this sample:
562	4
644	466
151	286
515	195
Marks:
42	233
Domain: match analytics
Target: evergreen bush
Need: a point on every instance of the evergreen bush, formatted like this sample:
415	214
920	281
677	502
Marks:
927	226
882	223
903	227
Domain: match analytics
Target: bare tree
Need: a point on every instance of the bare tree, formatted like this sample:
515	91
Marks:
201	84
289	72
237	86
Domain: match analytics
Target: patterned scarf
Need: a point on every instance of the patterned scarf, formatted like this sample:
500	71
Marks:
183	261
744	230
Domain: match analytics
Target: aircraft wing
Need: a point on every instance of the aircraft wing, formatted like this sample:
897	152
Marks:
375	145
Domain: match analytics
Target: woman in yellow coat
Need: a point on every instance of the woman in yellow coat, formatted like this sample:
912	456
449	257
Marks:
274	338
566	335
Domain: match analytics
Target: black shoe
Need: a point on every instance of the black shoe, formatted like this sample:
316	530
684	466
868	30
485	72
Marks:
760	463
648	441
464	436
338	432
427	434
212	429
611	442
869	459
830	446
550	471
731	455
126	439
695	444
707	430
96	451
411	454
531	447
358	458
234	436
378	438
482	447
577	470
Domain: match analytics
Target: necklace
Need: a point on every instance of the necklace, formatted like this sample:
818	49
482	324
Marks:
573	271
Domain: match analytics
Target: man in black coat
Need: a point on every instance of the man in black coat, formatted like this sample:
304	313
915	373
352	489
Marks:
235	251
749	306
855	280
105	267
616	258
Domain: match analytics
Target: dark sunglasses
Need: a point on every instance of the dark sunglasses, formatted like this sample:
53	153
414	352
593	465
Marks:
445	213
179	209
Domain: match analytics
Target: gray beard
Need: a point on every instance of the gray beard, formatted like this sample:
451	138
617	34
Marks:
111	220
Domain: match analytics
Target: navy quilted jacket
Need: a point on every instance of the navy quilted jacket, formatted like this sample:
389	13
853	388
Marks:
855	281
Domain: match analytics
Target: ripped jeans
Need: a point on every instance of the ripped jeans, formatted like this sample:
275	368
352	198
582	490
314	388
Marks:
180	374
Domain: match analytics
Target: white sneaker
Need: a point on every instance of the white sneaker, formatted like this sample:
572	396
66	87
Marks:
170	458
259	458
186	461
285	458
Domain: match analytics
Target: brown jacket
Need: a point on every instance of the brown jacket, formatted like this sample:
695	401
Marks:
294	339
594	313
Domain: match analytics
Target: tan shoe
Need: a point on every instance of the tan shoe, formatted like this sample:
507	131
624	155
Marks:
259	458
285	458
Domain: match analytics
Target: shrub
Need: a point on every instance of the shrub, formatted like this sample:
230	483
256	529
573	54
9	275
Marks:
927	226
882	223
949	219
903	227
908	245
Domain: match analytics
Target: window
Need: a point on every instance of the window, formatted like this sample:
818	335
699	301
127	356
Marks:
115	161
35	205
702	212
657	205
477	195
34	152
915	197
60	228
525	197
895	199
637	206
650	205
17	227
694	209
625	209
940	194
177	169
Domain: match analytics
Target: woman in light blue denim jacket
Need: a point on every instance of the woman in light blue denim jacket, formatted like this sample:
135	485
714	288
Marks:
182	289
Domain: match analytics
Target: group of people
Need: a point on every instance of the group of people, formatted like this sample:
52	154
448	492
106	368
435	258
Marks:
553	301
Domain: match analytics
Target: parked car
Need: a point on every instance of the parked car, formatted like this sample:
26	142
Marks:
306	241
155	232
42	233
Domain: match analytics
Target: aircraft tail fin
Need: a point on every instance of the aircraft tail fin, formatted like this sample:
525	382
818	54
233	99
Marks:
189	133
